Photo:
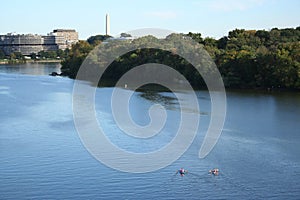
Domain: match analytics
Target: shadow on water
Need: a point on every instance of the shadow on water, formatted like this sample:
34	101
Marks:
169	101
155	97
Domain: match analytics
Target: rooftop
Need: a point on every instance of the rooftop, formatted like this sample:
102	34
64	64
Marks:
63	30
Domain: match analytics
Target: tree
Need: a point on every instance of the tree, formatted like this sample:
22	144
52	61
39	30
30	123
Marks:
12	56
235	33
124	35
97	39
2	54
195	36
222	43
33	56
77	54
60	54
263	35
51	54
16	56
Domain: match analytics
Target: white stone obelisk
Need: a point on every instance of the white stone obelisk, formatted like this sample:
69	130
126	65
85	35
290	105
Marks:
107	25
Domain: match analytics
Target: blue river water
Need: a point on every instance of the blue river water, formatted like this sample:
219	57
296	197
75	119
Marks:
42	157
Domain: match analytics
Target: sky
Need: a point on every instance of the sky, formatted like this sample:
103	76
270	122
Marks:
211	18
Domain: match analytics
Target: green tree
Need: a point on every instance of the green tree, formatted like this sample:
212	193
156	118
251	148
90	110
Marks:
2	54
195	36
97	39
33	56
60	53
222	43
124	35
77	54
12	56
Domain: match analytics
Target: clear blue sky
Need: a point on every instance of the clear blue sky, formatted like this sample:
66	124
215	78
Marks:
209	17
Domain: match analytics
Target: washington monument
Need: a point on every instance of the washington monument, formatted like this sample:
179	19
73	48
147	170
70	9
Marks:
107	25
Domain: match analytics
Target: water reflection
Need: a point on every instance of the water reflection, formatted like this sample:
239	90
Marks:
168	100
31	68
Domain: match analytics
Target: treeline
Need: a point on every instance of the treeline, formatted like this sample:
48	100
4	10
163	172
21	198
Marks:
257	59
42	55
245	58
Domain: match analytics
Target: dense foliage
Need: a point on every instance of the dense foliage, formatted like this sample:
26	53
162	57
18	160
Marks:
257	59
245	58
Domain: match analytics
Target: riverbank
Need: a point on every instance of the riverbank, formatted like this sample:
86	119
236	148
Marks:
16	61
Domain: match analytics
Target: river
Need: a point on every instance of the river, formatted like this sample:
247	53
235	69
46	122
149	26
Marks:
42	156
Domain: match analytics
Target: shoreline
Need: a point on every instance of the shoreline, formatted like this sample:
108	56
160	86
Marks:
258	90
107	83
5	62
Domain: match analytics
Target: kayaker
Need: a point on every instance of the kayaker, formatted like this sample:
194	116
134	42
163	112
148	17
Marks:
182	171
214	171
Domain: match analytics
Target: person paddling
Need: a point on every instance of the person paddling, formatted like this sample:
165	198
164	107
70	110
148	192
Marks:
214	171
182	171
